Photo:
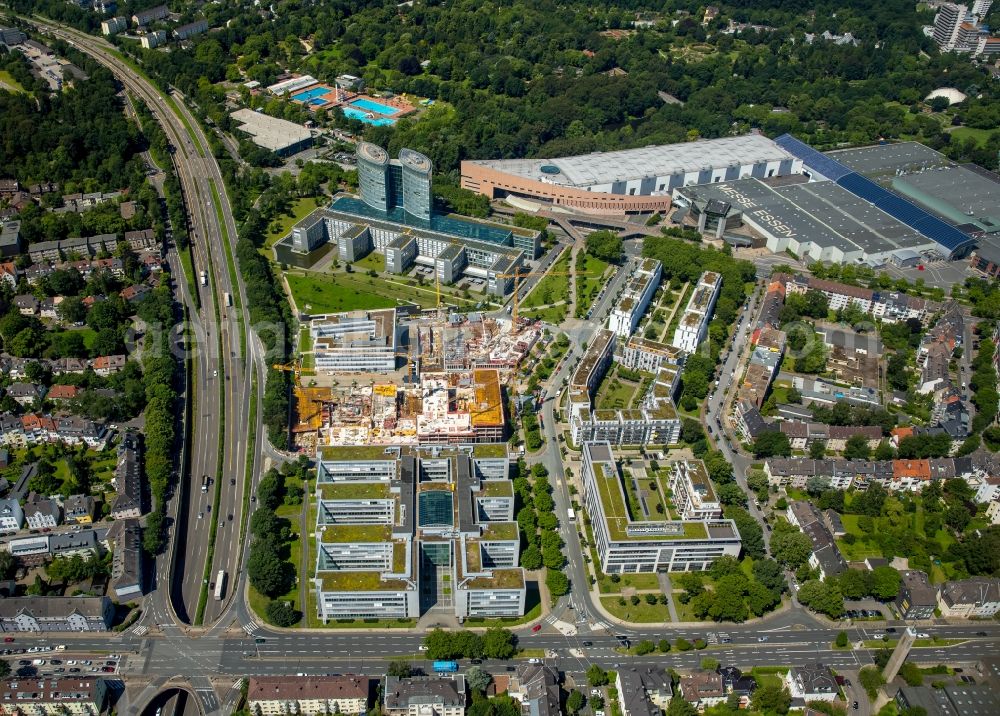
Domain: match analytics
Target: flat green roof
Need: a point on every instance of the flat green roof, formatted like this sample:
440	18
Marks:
341	534
360	582
355	452
500	531
496	488
399	557
616	512
489	450
354	491
501	579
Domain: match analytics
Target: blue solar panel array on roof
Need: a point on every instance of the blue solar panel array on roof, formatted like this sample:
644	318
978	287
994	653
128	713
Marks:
817	161
941	232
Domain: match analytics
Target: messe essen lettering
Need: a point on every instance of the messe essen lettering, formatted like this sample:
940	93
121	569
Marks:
763	215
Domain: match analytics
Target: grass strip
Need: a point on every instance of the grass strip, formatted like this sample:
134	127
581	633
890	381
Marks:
231	266
251	448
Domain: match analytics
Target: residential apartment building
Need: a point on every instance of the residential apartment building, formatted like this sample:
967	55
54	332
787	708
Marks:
47	696
639	353
765	359
309	695
813	682
355	342
126	559
917	597
643	691
11	516
388	518
192	29
693	326
703	689
32	428
826	556
536	688
694	497
628	543
977	597
890	306
55	614
423	695
635	298
947	24
128	500
41	513
655	420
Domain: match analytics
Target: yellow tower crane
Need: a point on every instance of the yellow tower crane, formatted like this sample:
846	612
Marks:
518	275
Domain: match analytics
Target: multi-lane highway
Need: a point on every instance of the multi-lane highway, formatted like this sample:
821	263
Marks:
221	377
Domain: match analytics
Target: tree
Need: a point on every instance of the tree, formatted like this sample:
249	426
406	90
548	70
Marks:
499	643
477	679
823	597
604	245
911	674
691	431
817	449
680	707
871	680
790	548
268	573
884	582
770	574
732	494
816	484
645	647
683	645
8	565
772	698
842	641
596	703
281	613
575	701
771	444
750	531
557	583
663	646
857	448
596	676
4	668
400	668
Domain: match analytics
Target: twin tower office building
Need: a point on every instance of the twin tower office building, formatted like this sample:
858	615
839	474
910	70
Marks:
393	215
386	184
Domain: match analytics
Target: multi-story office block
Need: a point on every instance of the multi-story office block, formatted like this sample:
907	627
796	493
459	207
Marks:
627	542
400	530
358	341
416	175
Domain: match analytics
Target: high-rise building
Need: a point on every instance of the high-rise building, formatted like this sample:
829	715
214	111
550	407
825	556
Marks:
386	184
416	174
946	23
374	177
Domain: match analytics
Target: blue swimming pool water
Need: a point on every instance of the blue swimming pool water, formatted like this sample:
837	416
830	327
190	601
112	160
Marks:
310	94
358	114
375	107
317	102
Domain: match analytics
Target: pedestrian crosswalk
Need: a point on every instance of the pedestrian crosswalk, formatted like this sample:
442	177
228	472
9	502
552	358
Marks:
251	627
140	630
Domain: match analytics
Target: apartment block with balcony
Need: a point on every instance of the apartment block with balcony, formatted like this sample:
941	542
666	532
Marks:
635	298
694	496
693	326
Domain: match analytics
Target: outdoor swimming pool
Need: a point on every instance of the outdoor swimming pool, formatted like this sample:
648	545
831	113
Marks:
318	102
310	94
375	107
358	114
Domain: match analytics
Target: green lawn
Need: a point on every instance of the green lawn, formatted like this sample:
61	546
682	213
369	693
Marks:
980	135
614	393
641	613
327	293
374	261
634	581
8	81
280	226
589	282
551	289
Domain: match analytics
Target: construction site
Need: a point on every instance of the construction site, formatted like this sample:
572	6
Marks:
446	388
